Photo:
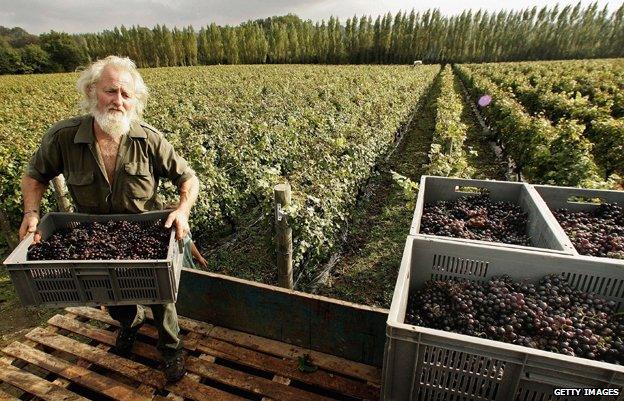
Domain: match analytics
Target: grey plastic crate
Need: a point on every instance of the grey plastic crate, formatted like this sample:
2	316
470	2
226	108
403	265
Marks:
576	200
544	232
425	364
57	283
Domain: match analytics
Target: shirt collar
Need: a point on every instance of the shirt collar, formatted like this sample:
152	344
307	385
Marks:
85	132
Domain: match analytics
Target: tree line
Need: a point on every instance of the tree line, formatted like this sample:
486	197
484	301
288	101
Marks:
570	32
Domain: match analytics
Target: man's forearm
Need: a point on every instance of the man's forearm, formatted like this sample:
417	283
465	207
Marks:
189	190
32	191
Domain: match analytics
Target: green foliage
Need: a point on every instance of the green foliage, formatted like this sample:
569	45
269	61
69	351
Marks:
244	129
447	156
17	37
585	90
544	153
409	187
34	59
547	34
10	59
65	54
305	364
570	156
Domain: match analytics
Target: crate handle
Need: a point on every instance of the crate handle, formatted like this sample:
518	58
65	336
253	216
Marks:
551	380
586	200
470	189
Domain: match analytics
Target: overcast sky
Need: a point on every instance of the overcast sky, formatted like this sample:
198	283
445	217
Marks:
81	16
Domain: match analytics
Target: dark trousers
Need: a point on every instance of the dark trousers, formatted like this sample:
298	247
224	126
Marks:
165	319
165	315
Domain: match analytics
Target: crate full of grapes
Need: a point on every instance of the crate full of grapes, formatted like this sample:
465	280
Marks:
592	219
475	322
95	260
496	213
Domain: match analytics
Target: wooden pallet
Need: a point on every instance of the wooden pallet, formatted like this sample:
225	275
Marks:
71	360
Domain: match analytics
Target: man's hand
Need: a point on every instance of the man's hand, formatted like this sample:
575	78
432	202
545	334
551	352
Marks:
180	219
201	261
32	191
29	225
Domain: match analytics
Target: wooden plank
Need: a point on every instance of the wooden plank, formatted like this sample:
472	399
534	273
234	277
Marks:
74	373
207	358
203	366
186	387
59	381
103	336
35	385
175	397
280	367
7	397
287	368
283	350
332	363
21	364
277	379
248	382
92	313
126	367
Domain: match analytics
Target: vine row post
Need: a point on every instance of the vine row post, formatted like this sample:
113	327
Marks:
283	237
60	192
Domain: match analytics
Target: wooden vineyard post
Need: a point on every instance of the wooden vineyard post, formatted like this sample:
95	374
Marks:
283	237
60	192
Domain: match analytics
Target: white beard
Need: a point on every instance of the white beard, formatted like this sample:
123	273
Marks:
114	123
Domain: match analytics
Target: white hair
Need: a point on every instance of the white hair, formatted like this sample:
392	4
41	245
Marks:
91	75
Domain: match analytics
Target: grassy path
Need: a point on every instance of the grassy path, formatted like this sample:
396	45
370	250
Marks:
367	270
479	152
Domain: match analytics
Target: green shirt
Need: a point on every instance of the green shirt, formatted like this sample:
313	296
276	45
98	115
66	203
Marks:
144	157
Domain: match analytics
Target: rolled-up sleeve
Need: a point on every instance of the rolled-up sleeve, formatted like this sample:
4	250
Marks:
47	161
171	165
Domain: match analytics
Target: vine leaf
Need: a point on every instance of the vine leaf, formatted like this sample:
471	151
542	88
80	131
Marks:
306	365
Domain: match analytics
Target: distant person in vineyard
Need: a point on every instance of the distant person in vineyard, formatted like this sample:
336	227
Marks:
112	162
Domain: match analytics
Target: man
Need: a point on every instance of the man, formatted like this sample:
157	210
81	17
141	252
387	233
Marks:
112	163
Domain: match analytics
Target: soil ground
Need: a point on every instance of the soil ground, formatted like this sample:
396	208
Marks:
15	320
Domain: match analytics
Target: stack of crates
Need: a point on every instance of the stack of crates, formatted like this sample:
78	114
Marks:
59	283
427	364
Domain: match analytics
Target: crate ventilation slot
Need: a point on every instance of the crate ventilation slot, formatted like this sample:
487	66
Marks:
536	392
137	282
605	286
98	289
446	369
454	265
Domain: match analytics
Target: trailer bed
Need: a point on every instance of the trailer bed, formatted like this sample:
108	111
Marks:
71	359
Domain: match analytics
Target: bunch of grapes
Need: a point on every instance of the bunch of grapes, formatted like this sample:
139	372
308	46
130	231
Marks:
597	233
476	217
549	315
105	240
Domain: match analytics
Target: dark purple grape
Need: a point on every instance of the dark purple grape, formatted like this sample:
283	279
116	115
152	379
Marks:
548	315
476	217
109	240
599	232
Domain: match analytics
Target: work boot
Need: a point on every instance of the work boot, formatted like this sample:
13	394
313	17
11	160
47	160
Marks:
174	366
125	340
